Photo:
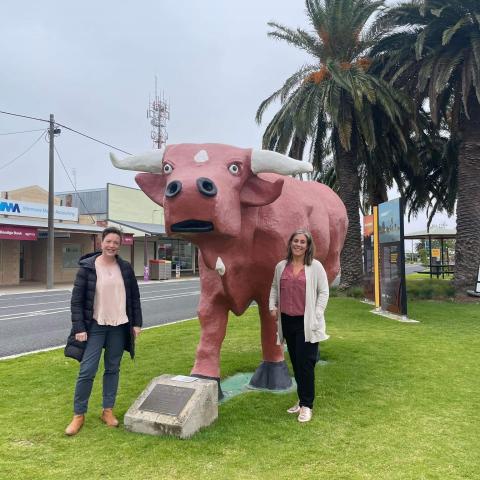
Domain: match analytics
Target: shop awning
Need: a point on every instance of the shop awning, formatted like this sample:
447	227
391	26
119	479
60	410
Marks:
58	226
150	228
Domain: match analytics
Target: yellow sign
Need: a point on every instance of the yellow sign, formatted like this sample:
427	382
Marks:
436	253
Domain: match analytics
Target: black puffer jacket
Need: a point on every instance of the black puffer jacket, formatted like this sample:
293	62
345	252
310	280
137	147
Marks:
83	296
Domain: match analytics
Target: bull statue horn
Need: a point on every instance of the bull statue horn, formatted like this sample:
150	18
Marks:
264	161
150	162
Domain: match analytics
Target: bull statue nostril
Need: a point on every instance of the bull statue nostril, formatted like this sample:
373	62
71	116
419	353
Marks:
206	187
173	188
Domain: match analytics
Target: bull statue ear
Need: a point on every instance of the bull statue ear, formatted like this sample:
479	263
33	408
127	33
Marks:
257	192
152	185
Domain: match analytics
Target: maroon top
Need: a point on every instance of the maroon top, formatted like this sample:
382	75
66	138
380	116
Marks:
292	292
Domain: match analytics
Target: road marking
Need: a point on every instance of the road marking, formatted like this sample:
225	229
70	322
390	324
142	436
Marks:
29	294
53	311
186	294
30	304
17	355
68	300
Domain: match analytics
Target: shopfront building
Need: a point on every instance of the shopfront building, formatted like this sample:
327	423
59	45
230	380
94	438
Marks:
141	218
24	234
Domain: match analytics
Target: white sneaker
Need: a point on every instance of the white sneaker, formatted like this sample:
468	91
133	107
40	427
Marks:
305	414
294	409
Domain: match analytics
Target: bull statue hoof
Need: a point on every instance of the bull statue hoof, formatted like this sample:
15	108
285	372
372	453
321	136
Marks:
220	393
271	376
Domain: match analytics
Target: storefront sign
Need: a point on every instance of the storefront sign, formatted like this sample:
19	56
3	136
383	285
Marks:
127	240
36	210
8	232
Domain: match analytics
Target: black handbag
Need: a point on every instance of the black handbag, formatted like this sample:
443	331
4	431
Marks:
74	349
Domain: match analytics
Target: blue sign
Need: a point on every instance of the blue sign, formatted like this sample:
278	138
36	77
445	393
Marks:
9	207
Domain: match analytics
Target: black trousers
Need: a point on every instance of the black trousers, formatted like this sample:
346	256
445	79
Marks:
303	356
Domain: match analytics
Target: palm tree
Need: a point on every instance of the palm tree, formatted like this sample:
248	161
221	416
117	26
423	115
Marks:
340	107
435	53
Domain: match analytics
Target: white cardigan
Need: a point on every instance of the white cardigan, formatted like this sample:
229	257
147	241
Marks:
316	298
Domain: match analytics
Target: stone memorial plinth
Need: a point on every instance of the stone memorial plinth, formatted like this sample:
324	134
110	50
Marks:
174	405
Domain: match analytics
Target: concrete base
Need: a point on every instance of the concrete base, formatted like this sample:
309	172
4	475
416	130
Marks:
472	293
217	379
271	376
200	410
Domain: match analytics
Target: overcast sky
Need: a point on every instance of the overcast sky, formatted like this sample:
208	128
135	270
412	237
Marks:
93	65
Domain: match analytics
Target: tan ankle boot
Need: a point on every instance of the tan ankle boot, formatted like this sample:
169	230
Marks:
75	425
109	418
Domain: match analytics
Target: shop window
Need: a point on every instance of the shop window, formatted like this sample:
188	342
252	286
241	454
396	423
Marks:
177	251
71	253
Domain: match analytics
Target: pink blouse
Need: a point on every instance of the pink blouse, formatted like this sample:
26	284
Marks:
110	305
292	292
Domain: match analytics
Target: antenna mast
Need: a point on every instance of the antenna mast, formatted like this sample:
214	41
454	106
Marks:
158	112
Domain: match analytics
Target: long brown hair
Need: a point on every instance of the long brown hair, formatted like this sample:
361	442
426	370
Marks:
309	252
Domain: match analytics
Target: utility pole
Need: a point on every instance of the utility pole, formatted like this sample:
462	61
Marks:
51	193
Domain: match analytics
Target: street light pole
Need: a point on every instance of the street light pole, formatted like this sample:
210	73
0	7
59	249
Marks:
51	193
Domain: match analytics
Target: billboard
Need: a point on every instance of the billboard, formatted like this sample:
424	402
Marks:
368	258
392	257
131	204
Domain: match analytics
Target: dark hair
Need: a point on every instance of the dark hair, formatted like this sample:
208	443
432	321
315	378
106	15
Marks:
309	253
114	230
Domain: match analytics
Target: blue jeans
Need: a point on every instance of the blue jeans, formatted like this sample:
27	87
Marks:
100	336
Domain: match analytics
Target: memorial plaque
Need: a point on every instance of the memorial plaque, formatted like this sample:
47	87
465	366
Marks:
175	405
167	399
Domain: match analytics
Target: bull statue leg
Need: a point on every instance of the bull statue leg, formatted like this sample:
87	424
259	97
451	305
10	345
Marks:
213	316
272	373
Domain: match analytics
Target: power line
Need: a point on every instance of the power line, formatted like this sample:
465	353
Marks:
73	185
23	131
91	138
26	151
68	128
25	116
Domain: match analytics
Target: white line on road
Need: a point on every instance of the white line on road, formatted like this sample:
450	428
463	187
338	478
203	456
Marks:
33	296
53	311
9	357
68	300
186	294
31	304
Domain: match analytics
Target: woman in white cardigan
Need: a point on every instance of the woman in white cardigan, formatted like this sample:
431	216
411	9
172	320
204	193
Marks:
298	299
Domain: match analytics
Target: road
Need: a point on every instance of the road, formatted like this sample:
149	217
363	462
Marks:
413	268
34	321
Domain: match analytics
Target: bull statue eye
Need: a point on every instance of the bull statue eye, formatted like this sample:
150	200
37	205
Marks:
234	169
167	168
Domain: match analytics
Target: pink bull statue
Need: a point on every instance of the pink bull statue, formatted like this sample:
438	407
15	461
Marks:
239	206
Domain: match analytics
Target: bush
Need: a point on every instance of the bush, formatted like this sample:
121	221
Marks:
427	288
354	292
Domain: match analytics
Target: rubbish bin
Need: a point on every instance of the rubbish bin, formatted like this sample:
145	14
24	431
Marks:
160	269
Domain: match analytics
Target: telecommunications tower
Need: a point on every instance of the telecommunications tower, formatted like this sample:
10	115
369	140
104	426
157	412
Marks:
158	112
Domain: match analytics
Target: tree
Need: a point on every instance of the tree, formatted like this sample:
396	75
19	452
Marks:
434	53
341	108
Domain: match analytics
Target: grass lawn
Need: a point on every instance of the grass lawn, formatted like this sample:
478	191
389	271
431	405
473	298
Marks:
394	401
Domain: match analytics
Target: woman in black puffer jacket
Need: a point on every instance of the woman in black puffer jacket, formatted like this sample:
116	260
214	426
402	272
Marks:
106	314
